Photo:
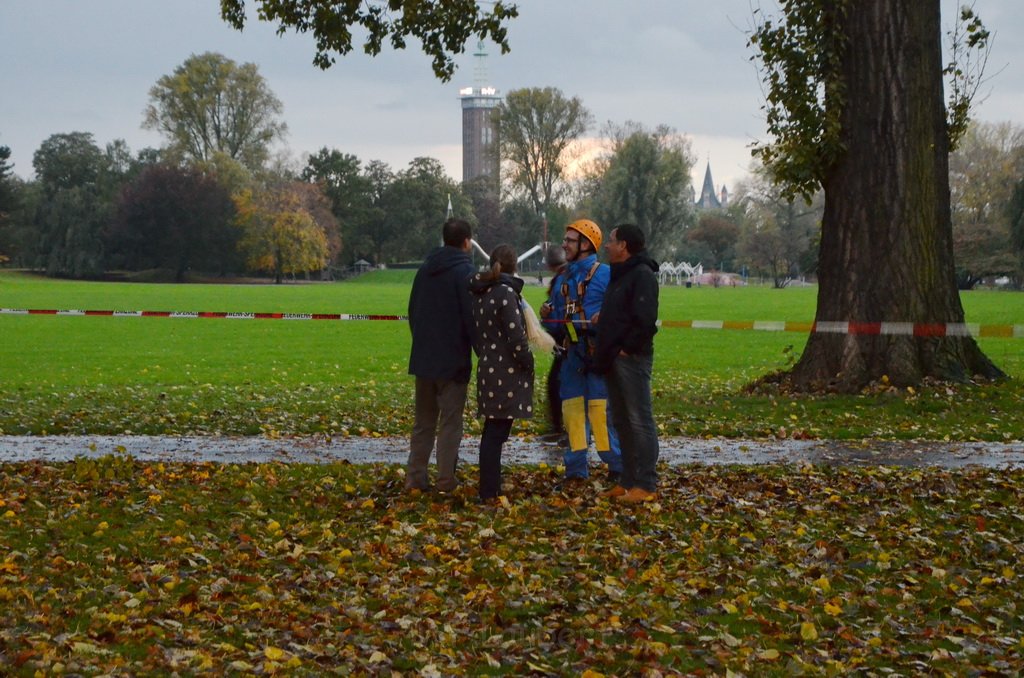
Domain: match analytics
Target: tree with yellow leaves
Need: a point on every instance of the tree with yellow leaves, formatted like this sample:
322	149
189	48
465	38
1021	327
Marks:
280	235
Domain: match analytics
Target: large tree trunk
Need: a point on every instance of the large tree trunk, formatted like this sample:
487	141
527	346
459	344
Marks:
887	239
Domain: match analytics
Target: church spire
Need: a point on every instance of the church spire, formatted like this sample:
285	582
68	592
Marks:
708	199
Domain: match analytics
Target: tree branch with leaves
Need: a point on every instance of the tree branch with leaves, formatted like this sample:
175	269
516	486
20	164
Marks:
441	26
800	54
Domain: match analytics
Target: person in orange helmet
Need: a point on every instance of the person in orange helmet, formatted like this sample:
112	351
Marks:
575	306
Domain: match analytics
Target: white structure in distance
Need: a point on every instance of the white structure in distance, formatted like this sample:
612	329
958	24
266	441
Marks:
673	273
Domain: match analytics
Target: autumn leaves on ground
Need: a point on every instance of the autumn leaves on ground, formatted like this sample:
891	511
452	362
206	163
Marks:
115	566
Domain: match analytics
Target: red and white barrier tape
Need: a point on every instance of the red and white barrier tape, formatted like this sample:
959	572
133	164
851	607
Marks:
203	314
858	328
836	327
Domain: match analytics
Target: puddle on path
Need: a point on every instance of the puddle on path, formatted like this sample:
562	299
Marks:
674	451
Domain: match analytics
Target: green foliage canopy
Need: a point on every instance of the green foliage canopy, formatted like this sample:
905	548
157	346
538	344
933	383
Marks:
7	201
442	26
210	104
350	192
173	217
718	233
536	127
415	205
646	180
73	208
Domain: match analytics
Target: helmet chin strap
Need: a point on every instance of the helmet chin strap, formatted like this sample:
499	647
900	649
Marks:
581	254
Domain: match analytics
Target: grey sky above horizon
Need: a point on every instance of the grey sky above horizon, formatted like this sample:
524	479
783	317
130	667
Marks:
69	66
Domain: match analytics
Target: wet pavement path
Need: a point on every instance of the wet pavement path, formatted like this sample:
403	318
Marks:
674	451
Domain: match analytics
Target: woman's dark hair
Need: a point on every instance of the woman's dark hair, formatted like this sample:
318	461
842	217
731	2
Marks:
503	260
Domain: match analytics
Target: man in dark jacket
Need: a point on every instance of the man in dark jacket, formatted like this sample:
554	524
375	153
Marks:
440	317
625	353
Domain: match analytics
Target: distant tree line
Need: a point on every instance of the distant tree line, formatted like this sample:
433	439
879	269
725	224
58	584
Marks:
213	201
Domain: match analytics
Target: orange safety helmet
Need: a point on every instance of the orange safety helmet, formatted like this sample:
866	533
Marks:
589	230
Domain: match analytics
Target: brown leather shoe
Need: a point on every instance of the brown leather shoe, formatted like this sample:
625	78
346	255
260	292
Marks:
616	491
638	495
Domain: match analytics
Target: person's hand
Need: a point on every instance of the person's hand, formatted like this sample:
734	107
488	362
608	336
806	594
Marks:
593	321
545	310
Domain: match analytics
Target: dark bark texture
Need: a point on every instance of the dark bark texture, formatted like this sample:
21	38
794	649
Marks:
887	249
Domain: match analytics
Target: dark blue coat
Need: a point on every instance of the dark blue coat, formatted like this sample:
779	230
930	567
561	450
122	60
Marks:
440	316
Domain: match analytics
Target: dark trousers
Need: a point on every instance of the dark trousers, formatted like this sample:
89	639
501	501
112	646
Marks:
554	400
629	397
496	432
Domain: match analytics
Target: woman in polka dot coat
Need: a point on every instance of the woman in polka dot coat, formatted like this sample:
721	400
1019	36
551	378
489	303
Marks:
504	373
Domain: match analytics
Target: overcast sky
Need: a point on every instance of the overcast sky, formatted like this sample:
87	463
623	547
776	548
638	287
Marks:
87	66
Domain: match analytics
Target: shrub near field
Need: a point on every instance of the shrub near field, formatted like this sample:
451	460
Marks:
278	377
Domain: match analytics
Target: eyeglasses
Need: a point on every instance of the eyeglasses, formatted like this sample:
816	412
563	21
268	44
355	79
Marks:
568	239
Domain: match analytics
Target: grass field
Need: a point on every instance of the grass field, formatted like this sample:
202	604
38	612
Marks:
276	377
